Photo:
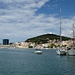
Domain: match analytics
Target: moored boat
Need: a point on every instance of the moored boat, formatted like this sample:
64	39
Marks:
38	51
71	51
60	51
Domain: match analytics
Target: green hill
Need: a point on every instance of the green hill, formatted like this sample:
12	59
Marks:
44	38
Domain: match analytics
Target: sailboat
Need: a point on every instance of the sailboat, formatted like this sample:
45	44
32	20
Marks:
71	51
60	51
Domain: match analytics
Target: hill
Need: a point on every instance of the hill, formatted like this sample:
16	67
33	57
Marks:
44	38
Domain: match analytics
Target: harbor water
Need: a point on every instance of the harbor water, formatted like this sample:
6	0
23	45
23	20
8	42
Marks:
26	62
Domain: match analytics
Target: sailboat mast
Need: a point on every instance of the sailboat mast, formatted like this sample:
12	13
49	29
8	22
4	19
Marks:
73	34
60	28
73	31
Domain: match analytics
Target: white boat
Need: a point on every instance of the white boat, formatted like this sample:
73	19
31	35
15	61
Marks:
71	51
38	52
60	51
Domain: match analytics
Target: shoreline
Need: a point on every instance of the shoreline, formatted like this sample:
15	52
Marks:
26	48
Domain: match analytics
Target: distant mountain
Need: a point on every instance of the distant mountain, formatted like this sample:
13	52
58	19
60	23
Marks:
44	38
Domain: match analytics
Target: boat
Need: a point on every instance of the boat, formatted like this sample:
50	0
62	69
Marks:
38	52
60	51
71	51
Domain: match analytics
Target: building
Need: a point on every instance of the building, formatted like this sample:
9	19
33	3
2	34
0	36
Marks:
5	41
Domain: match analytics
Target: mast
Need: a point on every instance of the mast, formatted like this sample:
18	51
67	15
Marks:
60	29
73	34
73	31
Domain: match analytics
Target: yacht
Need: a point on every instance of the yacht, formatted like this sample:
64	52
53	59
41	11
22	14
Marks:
71	51
60	51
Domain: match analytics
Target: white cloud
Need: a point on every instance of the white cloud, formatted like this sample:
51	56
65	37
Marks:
18	20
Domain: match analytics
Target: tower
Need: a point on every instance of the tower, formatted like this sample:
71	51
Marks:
5	41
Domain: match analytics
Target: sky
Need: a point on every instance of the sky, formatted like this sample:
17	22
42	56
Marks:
23	19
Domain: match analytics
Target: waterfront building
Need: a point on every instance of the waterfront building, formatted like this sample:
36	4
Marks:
21	44
5	41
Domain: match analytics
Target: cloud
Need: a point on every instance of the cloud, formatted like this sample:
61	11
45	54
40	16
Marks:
19	21
16	17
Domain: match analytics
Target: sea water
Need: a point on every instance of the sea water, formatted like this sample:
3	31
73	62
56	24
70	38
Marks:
26	62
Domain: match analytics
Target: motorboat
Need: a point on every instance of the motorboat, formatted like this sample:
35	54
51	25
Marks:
38	52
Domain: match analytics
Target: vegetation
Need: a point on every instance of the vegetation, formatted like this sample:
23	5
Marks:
53	45
45	38
30	47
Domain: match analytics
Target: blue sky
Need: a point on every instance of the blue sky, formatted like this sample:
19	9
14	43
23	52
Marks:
23	19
